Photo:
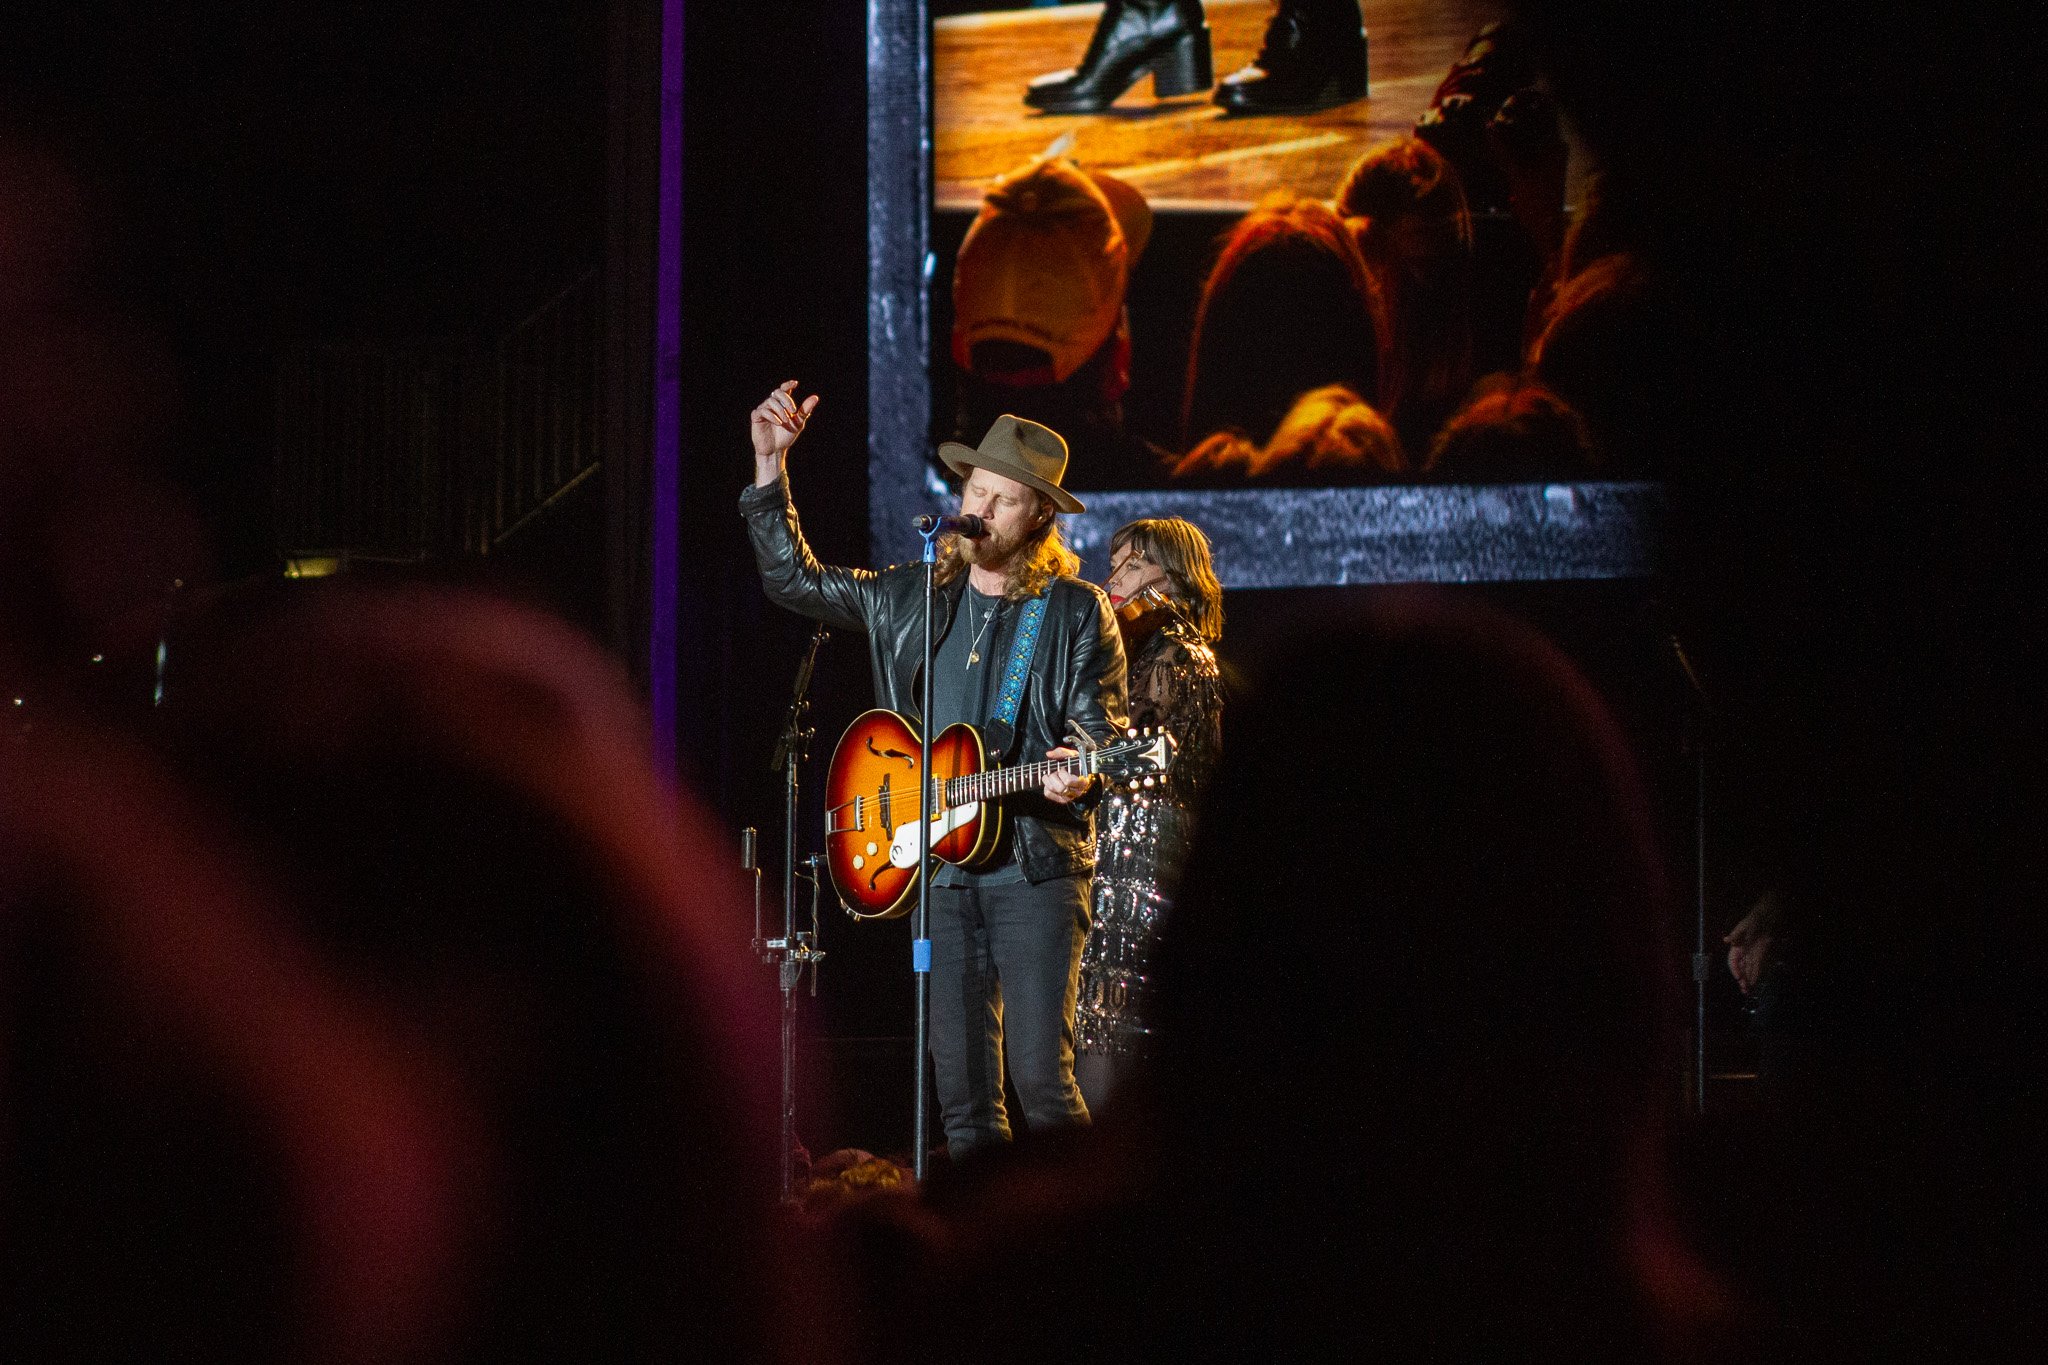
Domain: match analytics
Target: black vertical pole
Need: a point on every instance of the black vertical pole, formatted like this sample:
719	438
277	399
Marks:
790	965
1699	952
1697	714
920	932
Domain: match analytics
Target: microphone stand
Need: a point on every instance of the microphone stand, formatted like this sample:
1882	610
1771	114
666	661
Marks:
920	932
793	951
1696	739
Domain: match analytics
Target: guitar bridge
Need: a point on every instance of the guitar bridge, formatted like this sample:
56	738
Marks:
832	817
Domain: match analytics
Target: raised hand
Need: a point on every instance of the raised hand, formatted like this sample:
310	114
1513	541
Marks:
775	425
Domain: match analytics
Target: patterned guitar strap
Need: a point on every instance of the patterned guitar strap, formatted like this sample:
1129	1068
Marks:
1001	730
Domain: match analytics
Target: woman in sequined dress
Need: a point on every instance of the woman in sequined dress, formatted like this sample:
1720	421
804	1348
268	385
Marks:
1141	835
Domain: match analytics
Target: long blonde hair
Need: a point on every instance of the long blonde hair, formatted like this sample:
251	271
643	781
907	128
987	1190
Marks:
1042	557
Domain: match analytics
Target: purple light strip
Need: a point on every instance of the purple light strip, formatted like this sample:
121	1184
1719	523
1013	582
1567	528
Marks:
666	465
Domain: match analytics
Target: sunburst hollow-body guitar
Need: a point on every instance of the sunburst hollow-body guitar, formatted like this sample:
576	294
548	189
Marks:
871	799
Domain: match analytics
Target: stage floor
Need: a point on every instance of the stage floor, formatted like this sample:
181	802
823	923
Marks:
1181	153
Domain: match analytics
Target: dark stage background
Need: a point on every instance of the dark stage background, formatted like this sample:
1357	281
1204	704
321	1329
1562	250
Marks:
257	177
263	178
391	177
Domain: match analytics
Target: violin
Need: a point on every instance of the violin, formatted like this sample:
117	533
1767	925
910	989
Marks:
1145	611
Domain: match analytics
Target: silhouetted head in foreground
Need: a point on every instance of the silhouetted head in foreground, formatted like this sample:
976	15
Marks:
391	1010
1413	1032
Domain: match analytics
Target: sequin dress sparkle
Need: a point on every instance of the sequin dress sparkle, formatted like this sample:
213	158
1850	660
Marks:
1141	838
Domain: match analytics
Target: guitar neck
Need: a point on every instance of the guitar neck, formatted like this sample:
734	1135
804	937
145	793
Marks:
995	782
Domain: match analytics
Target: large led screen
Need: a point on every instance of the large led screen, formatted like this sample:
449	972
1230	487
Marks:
1319	276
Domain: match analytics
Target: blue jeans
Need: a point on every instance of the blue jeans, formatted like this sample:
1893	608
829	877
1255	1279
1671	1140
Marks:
1006	964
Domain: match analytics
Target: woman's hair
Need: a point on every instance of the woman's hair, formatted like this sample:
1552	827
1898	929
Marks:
1289	306
1514	430
1607	280
1406	178
1602	348
1181	551
1329	436
1414	230
1604	226
1043	557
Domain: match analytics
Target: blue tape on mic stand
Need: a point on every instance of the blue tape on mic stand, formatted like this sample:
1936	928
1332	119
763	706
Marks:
920	955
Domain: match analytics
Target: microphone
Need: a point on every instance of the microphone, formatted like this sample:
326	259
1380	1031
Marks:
969	525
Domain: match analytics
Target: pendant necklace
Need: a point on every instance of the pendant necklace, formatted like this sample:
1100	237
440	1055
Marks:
974	648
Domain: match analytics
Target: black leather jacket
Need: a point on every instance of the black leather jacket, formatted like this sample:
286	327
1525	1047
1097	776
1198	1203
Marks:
1077	672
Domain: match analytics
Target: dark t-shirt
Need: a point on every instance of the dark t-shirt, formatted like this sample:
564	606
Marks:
966	674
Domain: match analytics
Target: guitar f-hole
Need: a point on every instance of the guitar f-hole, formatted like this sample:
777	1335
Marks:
891	753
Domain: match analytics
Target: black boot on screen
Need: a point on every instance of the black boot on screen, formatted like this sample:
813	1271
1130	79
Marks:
1314	57
1169	39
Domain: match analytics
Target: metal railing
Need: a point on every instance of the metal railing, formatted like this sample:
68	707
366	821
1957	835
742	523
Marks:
421	452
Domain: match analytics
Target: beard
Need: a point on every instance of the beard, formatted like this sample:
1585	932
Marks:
993	551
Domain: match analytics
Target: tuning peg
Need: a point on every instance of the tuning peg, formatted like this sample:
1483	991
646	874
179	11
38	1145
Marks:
1150	781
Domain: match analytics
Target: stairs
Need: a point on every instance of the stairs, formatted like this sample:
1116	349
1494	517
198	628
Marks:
432	452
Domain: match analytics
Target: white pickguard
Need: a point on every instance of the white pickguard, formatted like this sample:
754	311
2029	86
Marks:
903	848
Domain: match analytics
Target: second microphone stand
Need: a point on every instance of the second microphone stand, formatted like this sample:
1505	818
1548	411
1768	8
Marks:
794	951
1698	714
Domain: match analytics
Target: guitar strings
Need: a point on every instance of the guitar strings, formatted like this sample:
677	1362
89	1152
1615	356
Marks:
971	788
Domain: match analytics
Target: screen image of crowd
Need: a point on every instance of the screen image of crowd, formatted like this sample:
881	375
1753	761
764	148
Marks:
1438	315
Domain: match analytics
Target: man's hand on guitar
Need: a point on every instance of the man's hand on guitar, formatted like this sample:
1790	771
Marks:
1064	788
775	426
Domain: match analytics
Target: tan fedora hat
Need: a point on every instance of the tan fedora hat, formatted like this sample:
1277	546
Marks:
1020	449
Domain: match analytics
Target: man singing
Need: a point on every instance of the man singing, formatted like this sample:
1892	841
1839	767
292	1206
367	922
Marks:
1006	936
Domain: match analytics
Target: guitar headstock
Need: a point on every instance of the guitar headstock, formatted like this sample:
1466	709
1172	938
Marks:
1140	758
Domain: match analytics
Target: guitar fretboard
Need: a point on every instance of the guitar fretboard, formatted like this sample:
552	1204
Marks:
988	785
